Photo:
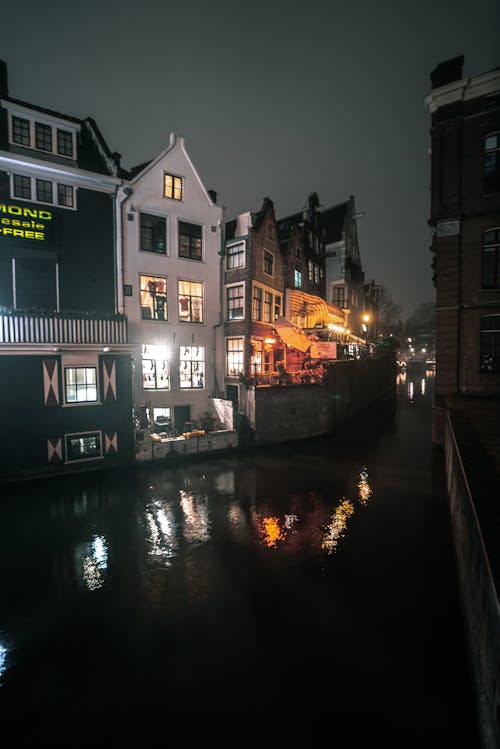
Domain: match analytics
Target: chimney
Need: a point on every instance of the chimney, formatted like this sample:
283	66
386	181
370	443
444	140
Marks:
3	79
213	195
447	72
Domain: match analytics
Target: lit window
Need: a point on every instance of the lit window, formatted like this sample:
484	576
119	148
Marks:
235	302
80	384
268	306
257	303
190	241
83	446
277	306
153	235
153	290
190	301
172	187
155	370
235	255
297	279
192	366
491	259
310	269
234	356
490	344
491	163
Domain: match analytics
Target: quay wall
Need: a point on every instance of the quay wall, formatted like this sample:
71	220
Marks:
478	592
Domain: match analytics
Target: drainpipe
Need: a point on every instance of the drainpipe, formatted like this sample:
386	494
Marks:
120	271
221	253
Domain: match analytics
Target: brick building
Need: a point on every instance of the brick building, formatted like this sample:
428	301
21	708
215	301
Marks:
465	224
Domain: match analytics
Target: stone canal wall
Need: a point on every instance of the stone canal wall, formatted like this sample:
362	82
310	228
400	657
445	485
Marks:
480	605
288	412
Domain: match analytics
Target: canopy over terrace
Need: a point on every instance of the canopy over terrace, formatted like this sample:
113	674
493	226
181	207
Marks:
291	334
309	311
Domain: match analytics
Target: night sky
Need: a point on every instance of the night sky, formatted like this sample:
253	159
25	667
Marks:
275	99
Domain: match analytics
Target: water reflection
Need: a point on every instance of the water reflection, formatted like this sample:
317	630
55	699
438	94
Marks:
160	534
3	660
196	521
92	562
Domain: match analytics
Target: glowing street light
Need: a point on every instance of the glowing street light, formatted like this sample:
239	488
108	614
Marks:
364	325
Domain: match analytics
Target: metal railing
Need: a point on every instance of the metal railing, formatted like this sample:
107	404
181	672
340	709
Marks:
62	327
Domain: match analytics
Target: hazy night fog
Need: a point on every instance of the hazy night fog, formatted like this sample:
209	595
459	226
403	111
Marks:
274	99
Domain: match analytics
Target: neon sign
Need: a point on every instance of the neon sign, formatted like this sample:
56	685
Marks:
21	222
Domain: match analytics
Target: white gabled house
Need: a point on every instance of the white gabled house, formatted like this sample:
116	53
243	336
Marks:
170	228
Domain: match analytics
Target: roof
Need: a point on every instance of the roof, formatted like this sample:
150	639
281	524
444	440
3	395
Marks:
134	170
333	220
285	225
44	110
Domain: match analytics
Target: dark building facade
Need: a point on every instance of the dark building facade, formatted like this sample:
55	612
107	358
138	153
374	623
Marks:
465	226
65	368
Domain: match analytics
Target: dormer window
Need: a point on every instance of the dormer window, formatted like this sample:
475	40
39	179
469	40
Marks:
42	136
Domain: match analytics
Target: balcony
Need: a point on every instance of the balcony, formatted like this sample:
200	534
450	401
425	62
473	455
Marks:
19	327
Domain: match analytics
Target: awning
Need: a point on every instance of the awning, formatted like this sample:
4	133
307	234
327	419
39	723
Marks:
312	309
291	334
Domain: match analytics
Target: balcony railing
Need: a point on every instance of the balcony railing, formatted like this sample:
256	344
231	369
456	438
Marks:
62	327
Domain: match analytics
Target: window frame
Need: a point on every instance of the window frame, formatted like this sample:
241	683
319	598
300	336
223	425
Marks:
143	228
492	247
30	137
231	255
81	435
152	353
146	288
238	352
33	189
194	365
491	184
268	260
67	385
177	187
492	352
185	296
192	253
229	287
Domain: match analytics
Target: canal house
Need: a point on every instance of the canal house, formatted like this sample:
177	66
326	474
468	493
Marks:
171	228
65	366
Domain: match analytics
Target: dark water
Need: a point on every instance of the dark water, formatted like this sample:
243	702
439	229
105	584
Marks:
305	591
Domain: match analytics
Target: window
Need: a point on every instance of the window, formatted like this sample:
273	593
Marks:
189	240
235	296
172	187
491	163
153	298
155	371
234	356
83	446
310	269
80	384
491	259
43	191
65	195
64	143
153	234
257	303
22	187
277	306
192	366
190	295
43	136
490	344
268	263
268	306
297	279
338	296
235	255
316	273
21	131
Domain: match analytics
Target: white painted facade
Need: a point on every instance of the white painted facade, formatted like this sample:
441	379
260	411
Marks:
172	302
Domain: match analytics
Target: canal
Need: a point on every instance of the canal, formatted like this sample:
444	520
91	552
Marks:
308	587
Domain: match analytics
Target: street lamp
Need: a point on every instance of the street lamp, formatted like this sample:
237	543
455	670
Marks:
364	326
